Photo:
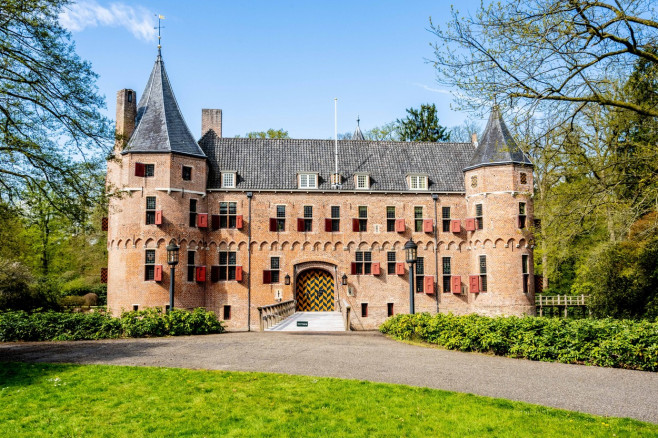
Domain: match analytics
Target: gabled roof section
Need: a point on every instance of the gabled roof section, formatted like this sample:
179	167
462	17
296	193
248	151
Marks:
497	145
273	164
160	126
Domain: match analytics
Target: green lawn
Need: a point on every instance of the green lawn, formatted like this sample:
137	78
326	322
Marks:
72	400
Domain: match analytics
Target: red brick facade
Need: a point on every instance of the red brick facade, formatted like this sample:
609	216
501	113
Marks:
498	189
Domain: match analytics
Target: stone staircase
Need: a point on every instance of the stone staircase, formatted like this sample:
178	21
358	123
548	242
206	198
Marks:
311	322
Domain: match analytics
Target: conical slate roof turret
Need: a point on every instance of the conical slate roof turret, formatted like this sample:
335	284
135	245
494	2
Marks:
358	135
160	126
497	145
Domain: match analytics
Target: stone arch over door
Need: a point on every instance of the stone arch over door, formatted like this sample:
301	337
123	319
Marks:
315	287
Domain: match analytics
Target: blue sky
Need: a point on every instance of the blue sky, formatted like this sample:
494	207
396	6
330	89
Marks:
272	64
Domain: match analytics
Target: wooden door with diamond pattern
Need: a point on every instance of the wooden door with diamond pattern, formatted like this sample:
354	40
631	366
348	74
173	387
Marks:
315	291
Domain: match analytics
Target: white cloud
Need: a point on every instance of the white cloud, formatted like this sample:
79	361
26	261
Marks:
88	13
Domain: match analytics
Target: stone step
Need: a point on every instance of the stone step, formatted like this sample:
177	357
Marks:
317	322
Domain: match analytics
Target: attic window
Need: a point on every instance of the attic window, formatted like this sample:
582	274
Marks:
418	182
308	181
362	181
228	180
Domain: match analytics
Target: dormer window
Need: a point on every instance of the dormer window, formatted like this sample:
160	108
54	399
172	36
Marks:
228	180
417	182
362	181
307	181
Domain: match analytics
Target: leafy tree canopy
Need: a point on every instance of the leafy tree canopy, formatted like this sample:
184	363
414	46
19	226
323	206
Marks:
270	133
422	125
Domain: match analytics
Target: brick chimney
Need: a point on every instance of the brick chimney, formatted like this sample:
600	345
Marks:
126	114
211	119
474	139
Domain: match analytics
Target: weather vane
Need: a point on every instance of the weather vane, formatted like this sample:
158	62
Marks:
160	18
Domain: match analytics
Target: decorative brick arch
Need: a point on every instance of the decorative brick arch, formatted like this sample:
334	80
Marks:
327	266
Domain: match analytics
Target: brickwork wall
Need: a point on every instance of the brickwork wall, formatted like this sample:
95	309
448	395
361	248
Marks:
498	189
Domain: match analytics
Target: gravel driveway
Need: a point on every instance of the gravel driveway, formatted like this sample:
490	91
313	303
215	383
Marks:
371	356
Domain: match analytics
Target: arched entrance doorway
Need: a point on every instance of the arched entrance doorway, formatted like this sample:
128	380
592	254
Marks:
315	291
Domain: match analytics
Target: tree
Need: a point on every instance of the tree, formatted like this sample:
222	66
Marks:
463	132
530	51
50	123
422	125
270	133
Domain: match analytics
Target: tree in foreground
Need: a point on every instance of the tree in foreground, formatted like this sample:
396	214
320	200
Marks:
50	124
422	125
270	133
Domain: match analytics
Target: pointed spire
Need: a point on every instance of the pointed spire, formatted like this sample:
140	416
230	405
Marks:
160	126
358	135
497	145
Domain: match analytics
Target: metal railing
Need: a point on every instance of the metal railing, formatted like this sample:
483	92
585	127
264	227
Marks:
274	313
561	300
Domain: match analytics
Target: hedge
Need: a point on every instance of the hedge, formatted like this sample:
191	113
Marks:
69	326
602	342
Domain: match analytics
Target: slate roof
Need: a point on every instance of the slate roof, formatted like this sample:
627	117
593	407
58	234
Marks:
160	126
497	145
358	135
273	164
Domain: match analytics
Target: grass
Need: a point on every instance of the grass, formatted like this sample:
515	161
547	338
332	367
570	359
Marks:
114	401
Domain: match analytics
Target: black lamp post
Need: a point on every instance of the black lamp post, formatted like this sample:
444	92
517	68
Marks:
411	255
286	279
172	261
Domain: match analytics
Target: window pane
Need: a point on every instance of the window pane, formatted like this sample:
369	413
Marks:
483	264
231	272
359	256
308	211
192	205
478	209
390	212
223	258
223	208
274	263
420	266
524	263
190	257
521	207
335	211
367	268
150	202
150	256
445	212
232	257
149	169
446	265
275	276
281	211
363	212
418	212
367	256
232	207
390	256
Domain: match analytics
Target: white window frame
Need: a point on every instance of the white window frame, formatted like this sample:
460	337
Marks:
418	182
233	178
358	179
310	179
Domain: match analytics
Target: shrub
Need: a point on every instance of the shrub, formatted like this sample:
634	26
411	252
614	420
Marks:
58	326
72	301
603	342
90	299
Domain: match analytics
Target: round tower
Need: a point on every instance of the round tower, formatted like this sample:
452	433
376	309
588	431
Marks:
158	177
499	188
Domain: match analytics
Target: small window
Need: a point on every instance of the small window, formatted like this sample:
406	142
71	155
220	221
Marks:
524	178
474	181
135	306
308	218
418	182
280	218
150	210
526	273
227	312
130	99
228	214
445	215
483	273
390	219
149	170
227	262
479	219
308	181
418	219
190	265
228	180
389	309
522	215
420	272
149	268
447	272
192	212
363	218
187	173
364	310
363	263
362	181
335	218
390	259
274	269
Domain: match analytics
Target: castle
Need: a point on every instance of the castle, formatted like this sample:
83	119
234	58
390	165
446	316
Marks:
260	221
